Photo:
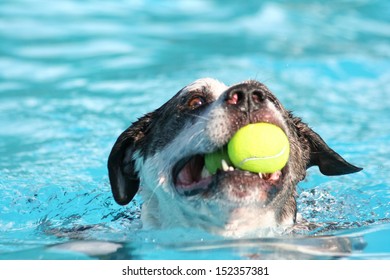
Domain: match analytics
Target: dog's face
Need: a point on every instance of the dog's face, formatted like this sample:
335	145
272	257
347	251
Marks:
163	153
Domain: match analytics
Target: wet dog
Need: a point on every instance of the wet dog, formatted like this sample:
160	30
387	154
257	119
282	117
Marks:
162	154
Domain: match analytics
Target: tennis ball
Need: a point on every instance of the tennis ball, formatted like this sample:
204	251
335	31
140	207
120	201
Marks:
213	161
259	147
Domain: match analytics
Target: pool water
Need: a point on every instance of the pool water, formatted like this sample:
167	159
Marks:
74	74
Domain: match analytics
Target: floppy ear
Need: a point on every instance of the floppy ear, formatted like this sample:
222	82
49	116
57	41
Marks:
123	176
329	162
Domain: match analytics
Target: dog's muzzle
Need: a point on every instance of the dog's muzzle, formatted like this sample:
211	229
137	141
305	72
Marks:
243	104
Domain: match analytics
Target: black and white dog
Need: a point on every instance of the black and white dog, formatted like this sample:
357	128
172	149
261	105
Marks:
162	154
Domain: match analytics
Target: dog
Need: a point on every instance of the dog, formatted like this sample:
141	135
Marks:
162	154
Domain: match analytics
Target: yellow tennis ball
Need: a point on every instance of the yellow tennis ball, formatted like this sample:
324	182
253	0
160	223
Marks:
213	161
260	148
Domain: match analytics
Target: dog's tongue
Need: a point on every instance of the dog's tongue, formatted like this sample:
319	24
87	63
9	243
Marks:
191	172
184	177
189	180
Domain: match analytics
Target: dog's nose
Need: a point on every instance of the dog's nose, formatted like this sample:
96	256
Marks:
245	98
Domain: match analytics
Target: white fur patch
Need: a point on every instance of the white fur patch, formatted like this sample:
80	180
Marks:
215	87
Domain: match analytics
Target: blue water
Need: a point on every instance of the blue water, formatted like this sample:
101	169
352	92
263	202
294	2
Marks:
74	74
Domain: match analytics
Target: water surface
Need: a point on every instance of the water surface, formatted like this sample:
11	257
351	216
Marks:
74	74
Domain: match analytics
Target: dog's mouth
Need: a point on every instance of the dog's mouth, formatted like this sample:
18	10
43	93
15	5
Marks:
191	177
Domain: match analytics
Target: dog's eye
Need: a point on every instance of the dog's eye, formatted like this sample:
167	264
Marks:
196	102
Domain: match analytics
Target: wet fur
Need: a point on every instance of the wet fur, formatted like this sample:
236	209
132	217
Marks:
146	152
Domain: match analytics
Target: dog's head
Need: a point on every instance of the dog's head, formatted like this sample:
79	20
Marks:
163	153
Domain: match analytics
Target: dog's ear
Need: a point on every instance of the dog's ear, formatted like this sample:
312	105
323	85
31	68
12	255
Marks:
328	161
122	173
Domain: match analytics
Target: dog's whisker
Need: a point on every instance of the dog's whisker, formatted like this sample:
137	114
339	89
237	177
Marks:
199	143
196	135
146	203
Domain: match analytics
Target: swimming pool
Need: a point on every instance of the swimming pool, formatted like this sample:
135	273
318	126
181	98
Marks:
74	74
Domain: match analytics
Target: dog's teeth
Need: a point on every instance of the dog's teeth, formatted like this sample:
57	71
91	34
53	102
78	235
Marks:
231	168
225	166
261	175
275	176
205	173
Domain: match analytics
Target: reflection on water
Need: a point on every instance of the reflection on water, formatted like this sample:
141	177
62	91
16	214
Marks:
350	244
